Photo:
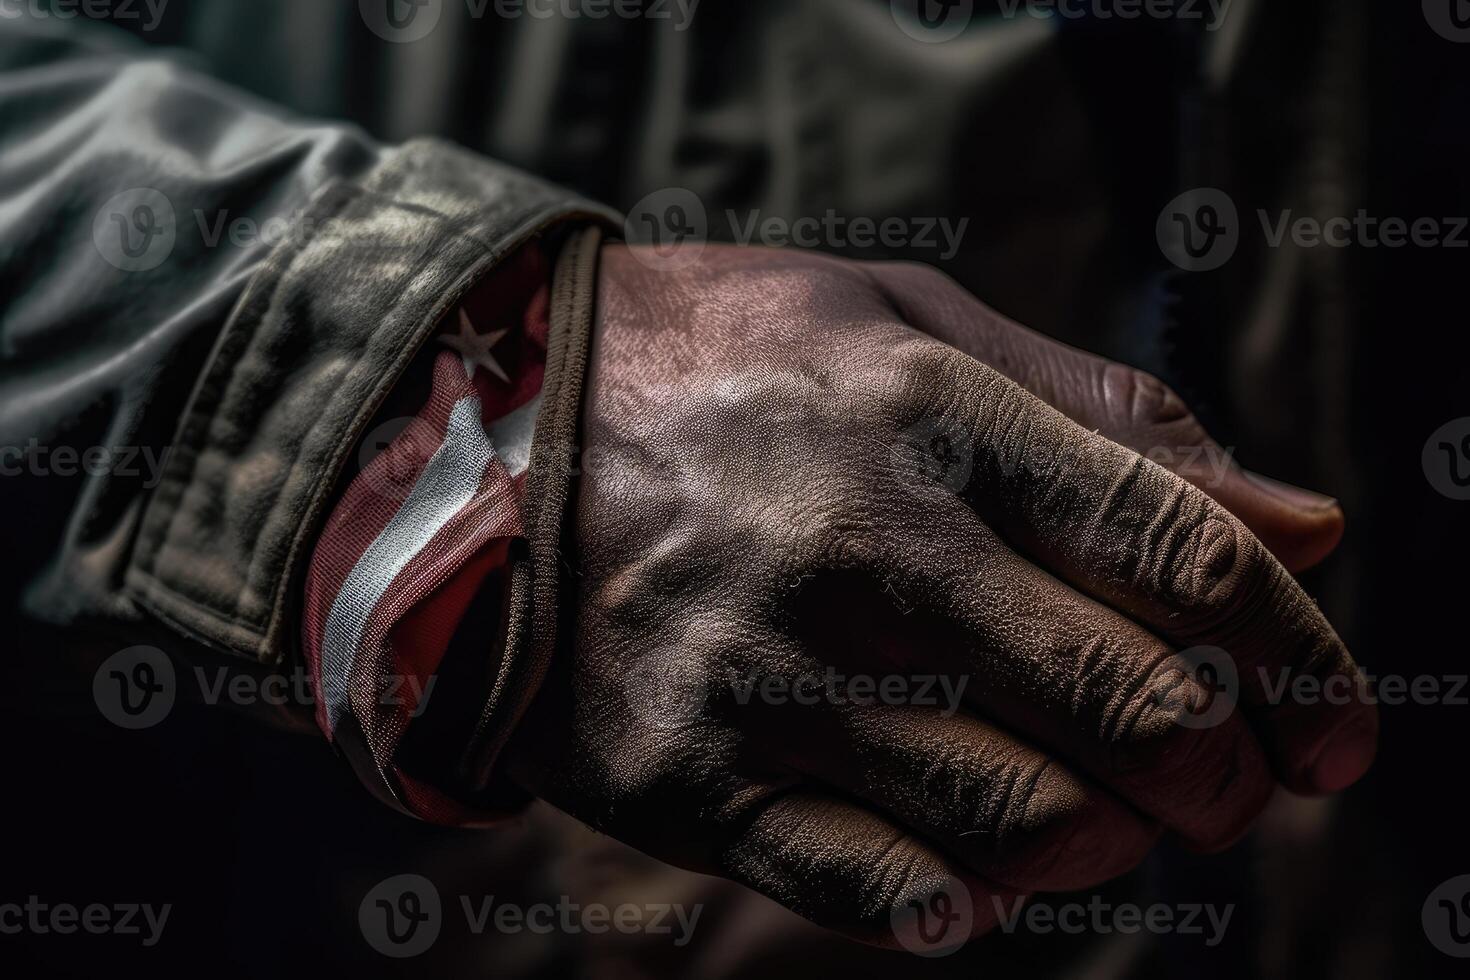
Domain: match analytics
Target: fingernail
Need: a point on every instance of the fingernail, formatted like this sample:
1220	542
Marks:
1297	497
1347	756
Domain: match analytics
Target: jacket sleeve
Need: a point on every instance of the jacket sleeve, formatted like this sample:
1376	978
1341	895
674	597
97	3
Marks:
202	304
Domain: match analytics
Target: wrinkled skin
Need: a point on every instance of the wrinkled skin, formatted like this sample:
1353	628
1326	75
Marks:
797	462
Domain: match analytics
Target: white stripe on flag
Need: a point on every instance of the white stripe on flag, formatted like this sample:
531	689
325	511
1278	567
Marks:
449	481
511	435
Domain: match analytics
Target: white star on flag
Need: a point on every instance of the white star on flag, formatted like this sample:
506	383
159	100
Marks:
474	347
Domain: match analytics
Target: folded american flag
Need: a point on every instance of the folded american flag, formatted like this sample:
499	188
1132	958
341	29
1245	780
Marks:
423	527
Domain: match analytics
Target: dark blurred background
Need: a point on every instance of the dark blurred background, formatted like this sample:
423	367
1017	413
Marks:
1061	140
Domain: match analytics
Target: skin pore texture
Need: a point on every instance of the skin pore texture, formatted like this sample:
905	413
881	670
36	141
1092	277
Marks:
796	464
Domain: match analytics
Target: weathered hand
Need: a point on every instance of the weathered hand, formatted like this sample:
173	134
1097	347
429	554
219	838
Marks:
797	464
1128	406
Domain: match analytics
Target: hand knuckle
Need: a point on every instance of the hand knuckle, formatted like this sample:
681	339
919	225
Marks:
994	798
1212	576
892	877
1159	749
931	373
1146	400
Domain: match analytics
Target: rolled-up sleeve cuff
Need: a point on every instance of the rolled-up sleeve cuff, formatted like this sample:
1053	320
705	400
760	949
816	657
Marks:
320	336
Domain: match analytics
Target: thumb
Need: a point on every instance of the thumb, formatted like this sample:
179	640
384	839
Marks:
1301	527
1133	408
1126	405
1137	410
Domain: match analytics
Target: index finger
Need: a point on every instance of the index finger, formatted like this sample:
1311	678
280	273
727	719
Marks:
1147	542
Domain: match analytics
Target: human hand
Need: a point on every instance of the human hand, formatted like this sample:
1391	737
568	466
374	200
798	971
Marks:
778	507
